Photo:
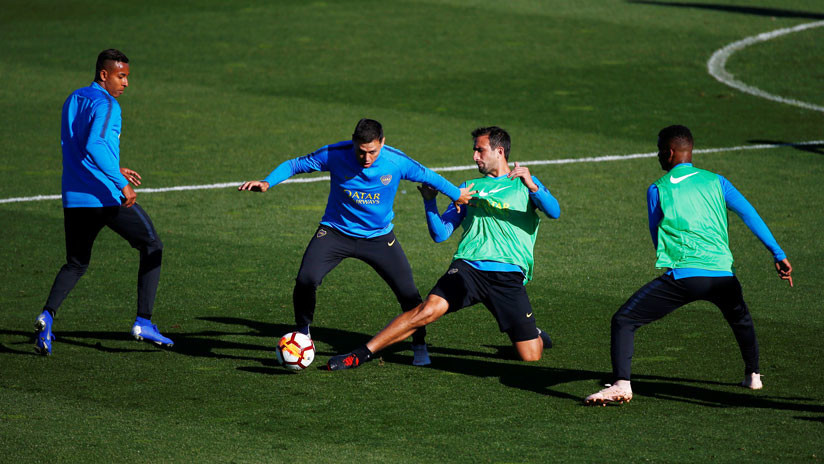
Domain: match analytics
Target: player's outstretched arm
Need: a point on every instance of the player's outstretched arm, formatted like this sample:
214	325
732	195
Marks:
785	270
315	161
440	227
255	186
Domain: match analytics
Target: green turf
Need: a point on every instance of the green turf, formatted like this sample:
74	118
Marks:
224	91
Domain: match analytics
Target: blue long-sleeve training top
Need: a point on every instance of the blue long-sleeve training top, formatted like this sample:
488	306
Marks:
90	138
441	226
737	203
360	199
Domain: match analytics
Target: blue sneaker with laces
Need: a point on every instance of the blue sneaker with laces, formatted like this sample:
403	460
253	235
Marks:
43	333
143	329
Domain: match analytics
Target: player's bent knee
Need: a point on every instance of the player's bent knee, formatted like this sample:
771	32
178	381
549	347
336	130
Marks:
620	320
531	357
429	311
307	281
155	246
422	315
76	269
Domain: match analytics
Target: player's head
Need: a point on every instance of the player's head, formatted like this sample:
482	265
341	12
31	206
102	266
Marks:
367	130
112	71
498	138
490	149
674	146
368	140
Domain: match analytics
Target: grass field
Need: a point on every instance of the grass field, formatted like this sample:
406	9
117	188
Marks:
224	91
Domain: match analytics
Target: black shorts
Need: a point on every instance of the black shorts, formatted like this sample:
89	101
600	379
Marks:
502	293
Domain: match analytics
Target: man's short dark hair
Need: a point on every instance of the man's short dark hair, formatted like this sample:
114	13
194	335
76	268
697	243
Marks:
367	130
108	55
677	135
497	138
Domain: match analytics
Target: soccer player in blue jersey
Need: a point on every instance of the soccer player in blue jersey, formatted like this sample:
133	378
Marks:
96	193
688	224
365	174
494	259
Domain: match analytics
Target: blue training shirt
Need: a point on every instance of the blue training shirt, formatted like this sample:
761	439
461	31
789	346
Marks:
735	202
442	226
360	199
90	138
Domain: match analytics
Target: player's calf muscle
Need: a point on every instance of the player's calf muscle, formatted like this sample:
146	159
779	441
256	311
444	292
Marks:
530	350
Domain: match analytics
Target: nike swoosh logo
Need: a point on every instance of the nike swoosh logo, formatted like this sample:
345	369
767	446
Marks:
482	193
391	243
529	315
676	180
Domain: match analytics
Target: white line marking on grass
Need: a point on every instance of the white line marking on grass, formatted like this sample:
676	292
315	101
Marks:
718	60
469	167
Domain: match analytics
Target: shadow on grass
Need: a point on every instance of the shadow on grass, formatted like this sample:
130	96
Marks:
224	343
525	376
817	148
750	10
663	388
546	380
75	338
29	346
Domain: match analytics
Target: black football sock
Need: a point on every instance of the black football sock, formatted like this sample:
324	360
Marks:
419	337
363	353
545	338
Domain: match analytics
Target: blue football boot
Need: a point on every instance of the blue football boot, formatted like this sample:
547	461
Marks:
143	329
43	333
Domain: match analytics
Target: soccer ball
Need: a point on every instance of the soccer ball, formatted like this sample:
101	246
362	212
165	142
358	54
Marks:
295	351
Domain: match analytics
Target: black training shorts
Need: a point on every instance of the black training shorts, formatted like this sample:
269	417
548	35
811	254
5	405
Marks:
502	293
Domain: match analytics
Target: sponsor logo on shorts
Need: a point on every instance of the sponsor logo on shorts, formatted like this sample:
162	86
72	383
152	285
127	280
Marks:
392	242
528	314
321	233
452	271
385	180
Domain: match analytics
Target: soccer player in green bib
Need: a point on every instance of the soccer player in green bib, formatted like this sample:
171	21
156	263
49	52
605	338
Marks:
688	222
494	259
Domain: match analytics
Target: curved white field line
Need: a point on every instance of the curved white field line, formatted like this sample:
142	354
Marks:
594	159
718	60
